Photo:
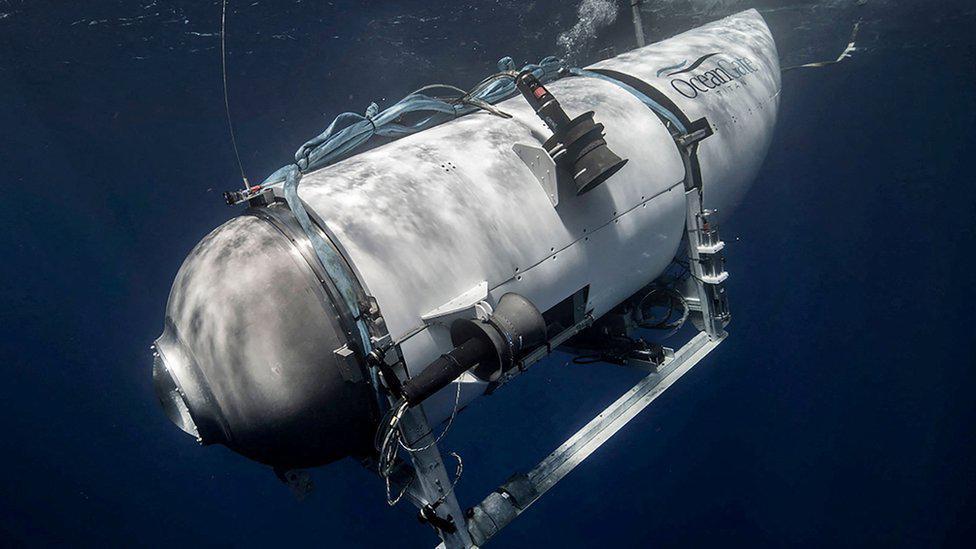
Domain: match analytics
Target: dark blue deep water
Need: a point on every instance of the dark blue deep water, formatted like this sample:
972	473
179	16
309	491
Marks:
840	412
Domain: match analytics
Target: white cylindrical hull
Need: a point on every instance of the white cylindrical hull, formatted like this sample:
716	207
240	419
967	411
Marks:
431	216
262	350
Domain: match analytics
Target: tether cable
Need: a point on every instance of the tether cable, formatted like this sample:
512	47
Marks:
223	70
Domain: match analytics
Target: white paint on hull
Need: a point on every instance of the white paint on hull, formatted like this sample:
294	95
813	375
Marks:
427	217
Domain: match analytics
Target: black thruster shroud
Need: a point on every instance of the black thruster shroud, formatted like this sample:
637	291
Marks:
577	144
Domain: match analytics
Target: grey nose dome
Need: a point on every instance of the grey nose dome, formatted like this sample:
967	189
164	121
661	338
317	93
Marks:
248	356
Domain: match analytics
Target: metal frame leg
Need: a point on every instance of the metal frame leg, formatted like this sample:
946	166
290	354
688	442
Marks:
432	483
508	502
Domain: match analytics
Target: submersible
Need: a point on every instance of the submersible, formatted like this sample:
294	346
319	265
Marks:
433	264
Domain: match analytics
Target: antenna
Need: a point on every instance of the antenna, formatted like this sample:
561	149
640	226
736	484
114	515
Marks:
638	24
223	70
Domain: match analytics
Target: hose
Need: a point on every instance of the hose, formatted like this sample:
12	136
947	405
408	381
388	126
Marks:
349	131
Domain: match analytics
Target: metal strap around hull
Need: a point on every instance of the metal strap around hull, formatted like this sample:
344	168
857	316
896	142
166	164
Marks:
329	258
661	110
432	482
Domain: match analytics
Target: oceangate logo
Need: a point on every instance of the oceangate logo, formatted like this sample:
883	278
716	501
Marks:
722	77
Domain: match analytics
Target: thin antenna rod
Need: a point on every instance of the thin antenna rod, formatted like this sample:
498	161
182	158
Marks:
638	24
223	69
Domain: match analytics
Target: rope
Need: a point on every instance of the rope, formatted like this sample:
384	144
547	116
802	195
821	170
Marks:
418	111
421	109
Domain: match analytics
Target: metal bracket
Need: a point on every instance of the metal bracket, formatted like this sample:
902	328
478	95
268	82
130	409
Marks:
348	364
465	302
693	137
542	166
428	514
255	196
707	266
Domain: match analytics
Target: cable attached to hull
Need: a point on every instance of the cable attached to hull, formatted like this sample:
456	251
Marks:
223	71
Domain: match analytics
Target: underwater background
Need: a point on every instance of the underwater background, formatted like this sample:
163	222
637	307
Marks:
841	410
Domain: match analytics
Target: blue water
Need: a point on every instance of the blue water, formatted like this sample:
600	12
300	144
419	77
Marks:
839	412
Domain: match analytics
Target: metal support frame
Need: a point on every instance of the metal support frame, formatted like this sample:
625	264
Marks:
704	246
430	482
502	506
427	482
424	481
713	325
431	489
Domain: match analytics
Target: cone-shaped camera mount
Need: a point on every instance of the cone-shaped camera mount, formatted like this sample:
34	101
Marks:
577	144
